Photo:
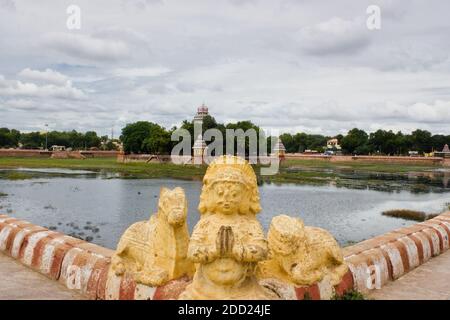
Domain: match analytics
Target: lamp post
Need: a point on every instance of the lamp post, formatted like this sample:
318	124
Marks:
46	137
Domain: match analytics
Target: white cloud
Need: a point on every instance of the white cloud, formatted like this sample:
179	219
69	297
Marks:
22	104
28	89
7	4
286	64
333	36
48	75
140	72
87	47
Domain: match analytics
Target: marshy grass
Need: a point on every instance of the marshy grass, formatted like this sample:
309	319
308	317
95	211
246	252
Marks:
2	194
350	295
15	175
409	214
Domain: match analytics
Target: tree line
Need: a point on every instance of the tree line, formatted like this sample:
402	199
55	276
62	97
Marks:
149	137
11	138
359	142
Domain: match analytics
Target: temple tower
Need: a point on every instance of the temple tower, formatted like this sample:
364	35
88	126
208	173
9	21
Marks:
279	150
199	143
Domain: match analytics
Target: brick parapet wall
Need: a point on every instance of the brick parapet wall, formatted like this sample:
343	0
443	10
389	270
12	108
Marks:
19	153
386	159
25	153
83	266
385	258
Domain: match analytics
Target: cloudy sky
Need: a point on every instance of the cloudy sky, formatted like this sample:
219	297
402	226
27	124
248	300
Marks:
292	65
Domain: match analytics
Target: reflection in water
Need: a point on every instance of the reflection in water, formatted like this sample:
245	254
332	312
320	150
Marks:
436	181
99	210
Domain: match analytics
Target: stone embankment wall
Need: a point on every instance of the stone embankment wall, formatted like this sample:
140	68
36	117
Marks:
385	159
385	258
84	266
57	154
447	163
146	158
25	153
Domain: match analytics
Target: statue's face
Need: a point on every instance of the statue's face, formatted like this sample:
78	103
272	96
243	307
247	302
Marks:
228	197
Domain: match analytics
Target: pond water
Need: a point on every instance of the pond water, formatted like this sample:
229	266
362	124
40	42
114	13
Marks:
99	208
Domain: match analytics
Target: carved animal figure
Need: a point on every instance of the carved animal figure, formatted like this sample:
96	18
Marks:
301	255
154	251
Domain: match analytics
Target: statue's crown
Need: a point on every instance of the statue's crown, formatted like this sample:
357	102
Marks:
230	169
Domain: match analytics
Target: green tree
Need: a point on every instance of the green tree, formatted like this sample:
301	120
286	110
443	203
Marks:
92	140
438	141
289	142
382	141
421	141
356	142
144	136
158	142
9	138
244	126
32	140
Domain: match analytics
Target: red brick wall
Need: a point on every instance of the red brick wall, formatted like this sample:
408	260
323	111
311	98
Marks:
25	153
386	159
47	154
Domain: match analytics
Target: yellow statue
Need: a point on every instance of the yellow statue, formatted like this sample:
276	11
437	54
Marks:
228	240
154	251
301	255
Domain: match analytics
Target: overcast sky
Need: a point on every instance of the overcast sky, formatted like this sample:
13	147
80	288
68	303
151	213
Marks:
293	65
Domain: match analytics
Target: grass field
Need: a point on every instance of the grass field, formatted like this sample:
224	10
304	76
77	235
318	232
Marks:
298	171
359	165
131	170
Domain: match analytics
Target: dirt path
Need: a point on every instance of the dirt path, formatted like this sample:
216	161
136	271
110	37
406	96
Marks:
18	282
430	281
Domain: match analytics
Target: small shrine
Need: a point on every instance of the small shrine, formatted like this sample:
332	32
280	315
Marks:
333	144
445	153
199	150
279	150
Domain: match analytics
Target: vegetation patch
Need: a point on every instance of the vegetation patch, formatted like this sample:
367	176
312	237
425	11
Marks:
2	194
350	295
15	175
409	214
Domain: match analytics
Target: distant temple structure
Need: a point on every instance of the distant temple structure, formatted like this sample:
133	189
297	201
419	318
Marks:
333	144
279	150
333	147
199	148
445	153
202	112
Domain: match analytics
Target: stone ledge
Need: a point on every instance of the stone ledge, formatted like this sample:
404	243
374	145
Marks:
385	258
83	266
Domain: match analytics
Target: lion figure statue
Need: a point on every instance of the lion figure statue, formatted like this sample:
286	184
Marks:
301	255
154	252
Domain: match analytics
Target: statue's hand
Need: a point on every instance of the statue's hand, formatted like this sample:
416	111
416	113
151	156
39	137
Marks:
202	254
249	253
225	241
